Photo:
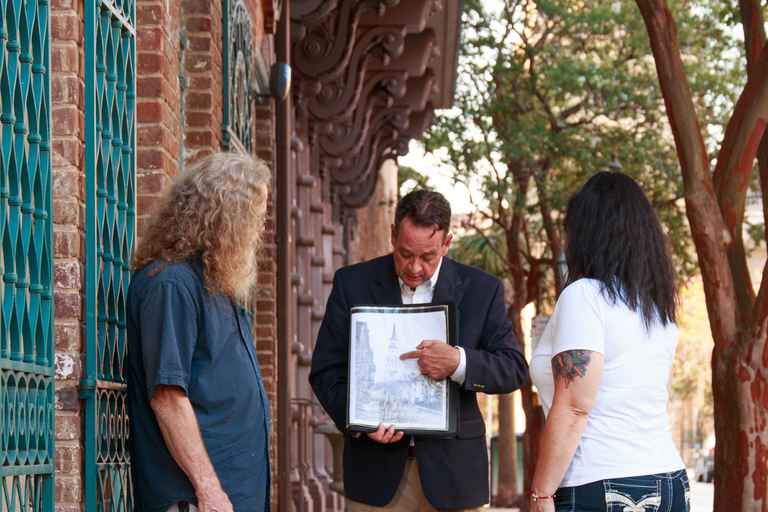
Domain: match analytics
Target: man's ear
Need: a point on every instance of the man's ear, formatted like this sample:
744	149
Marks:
447	244
393	237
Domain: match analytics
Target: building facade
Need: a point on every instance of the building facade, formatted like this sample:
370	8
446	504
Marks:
103	104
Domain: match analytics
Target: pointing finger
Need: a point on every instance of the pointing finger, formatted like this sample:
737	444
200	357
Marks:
413	354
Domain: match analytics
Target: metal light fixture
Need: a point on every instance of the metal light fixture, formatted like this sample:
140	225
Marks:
279	82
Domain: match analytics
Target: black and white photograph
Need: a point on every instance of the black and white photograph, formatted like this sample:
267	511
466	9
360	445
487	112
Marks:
384	388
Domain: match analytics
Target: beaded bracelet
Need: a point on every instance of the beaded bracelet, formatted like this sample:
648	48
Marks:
536	497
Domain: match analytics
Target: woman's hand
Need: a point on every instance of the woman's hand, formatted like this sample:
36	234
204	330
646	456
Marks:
542	505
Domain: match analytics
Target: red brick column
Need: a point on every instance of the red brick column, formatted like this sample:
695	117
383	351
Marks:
202	25
68	243
158	108
265	320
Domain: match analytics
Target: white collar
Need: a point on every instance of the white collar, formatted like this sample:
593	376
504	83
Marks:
429	284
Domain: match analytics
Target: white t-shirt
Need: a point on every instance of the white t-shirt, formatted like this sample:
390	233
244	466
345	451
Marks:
628	430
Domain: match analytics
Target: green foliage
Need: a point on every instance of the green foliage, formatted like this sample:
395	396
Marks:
756	232
708	35
478	251
548	90
409	179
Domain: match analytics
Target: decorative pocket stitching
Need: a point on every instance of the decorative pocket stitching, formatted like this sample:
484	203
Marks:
625	502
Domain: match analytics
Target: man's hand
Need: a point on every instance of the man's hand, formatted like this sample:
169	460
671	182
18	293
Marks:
212	498
181	433
386	436
435	358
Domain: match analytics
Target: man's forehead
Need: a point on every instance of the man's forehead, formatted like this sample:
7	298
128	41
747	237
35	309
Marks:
421	232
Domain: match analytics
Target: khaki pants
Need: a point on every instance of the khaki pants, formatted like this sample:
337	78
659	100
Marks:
408	498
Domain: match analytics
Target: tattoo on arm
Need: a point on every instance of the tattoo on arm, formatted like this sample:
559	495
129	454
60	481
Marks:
571	364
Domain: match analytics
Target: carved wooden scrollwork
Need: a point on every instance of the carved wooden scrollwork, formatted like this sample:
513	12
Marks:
306	11
386	124
388	143
363	85
340	95
325	46
349	134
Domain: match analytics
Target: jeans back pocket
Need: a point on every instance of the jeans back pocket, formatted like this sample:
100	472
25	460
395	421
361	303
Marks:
633	494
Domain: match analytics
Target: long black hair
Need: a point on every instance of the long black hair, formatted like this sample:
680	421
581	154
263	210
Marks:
613	236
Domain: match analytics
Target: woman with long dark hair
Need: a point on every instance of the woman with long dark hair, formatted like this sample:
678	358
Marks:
604	361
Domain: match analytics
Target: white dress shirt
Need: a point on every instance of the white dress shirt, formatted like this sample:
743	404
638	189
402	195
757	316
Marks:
423	295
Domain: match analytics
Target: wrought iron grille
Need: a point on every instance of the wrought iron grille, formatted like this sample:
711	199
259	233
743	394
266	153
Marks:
183	82
110	48
238	82
26	232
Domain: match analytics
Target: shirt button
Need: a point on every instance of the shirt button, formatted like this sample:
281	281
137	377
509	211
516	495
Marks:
478	386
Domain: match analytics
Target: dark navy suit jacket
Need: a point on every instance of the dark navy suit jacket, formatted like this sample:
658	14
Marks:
453	471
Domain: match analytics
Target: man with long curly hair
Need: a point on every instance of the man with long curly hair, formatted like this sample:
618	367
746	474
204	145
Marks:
199	413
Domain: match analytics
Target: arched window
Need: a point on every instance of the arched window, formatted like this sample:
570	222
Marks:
238	78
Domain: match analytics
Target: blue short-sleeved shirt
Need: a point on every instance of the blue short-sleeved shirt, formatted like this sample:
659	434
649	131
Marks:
180	334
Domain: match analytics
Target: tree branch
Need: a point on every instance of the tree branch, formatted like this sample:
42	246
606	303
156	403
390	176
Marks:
754	31
489	243
553	237
666	202
707	226
740	144
553	124
762	164
754	43
734	168
571	111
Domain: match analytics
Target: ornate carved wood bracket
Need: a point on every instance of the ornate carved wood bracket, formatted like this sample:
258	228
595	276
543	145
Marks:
362	87
325	39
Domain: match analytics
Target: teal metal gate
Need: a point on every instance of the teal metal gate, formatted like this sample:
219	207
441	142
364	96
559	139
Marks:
110	85
26	257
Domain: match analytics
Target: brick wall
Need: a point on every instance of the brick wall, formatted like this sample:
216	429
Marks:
265	319
372	237
159	136
202	25
159	131
157	97
68	243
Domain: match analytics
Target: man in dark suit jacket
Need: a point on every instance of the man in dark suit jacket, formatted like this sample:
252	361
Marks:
384	468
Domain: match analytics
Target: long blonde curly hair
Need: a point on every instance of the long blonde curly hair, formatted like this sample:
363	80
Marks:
212	212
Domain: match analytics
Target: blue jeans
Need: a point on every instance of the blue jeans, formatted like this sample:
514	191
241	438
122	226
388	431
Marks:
663	492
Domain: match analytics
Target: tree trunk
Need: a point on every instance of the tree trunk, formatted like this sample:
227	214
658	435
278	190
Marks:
506	491
534	434
534	424
737	317
740	390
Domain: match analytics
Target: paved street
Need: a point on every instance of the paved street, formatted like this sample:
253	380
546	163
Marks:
702	495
